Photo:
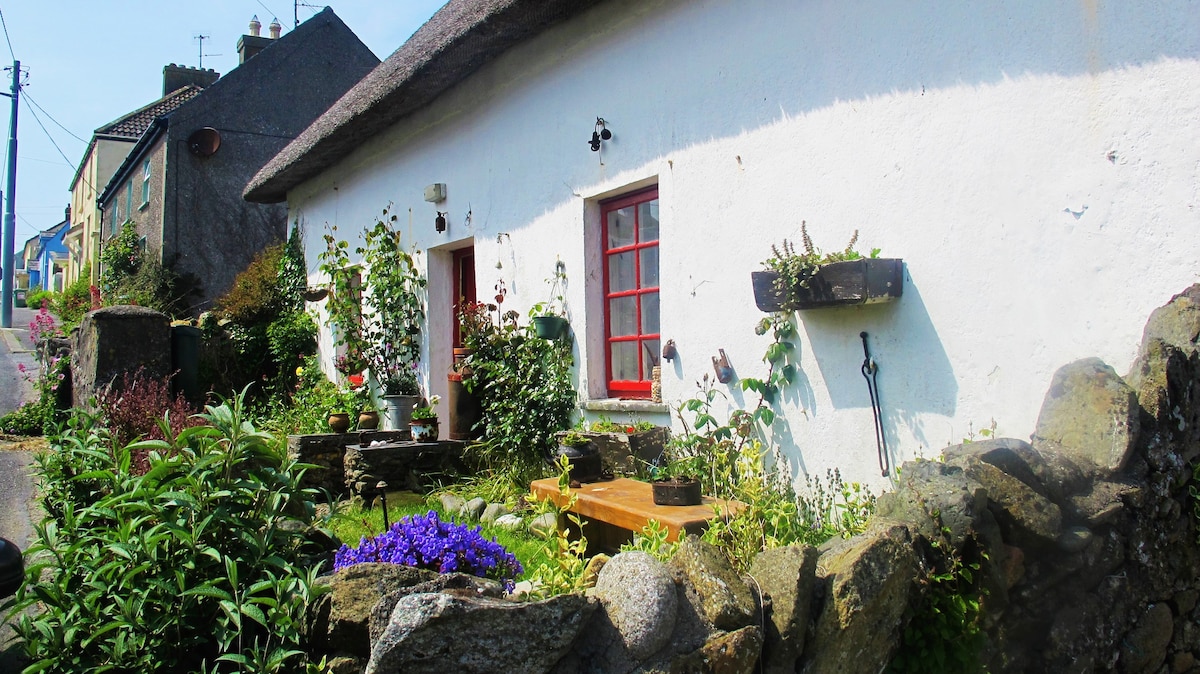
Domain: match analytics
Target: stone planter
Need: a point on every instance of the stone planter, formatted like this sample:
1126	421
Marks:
864	281
623	451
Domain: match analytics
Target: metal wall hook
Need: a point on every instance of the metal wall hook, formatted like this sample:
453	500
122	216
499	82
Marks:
722	367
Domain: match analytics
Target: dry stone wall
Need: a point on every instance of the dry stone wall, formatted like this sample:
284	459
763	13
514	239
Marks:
1086	538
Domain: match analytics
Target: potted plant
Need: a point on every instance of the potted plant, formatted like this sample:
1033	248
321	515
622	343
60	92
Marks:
400	395
368	416
676	482
586	464
424	422
549	318
624	444
808	279
379	317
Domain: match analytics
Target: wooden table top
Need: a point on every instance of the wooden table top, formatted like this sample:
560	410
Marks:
629	504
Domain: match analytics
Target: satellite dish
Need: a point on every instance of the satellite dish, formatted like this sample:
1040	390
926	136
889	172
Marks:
204	142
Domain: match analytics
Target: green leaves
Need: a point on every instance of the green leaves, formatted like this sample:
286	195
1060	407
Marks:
181	569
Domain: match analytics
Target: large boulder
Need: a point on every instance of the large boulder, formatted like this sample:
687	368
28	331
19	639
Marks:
1177	322
639	602
931	487
1145	647
1091	415
733	652
868	583
786	577
1025	516
1047	472
438	632
725	599
339	620
451	583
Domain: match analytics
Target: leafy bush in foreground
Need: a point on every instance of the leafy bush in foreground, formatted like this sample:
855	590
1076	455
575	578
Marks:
197	565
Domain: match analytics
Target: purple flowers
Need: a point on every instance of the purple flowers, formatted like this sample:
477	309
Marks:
429	543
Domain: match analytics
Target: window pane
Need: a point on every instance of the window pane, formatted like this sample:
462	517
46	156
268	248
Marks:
620	272
649	267
650	314
648	221
651	352
622	316
624	360
620	227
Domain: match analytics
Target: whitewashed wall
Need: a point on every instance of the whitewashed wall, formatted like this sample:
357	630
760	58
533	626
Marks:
1035	164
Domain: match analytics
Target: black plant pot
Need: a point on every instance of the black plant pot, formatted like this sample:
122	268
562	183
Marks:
676	491
586	464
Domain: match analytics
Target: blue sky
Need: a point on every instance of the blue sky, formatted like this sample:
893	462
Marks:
92	61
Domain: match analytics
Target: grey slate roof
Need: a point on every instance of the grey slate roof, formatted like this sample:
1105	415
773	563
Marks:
460	38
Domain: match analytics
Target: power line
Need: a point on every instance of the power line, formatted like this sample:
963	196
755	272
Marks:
48	136
6	38
51	118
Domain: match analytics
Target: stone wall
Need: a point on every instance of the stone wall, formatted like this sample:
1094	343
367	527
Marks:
115	340
1086	538
326	452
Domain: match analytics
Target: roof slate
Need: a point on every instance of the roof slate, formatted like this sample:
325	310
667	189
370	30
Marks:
460	38
135	123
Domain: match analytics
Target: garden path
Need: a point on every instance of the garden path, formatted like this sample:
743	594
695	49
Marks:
16	483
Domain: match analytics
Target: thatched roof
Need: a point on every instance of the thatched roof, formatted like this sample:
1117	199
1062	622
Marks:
459	39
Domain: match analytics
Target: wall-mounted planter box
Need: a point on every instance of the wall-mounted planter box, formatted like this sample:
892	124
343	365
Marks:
865	281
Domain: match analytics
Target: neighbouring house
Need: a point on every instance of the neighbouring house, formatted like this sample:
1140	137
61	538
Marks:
105	152
1034	164
181	183
44	258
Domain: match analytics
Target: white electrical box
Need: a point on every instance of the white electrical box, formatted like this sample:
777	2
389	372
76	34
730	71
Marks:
435	193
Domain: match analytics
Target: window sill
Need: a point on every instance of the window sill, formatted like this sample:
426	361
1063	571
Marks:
628	406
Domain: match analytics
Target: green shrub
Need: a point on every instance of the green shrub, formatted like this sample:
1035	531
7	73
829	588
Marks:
524	388
74	301
254	296
40	416
196	565
35	298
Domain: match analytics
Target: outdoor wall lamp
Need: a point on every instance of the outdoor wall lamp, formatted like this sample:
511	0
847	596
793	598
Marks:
439	223
600	133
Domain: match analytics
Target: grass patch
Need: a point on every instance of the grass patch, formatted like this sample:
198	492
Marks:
352	525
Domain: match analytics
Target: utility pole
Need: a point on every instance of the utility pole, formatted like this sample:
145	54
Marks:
10	208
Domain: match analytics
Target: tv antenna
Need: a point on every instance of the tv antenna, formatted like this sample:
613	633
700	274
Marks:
202	38
296	5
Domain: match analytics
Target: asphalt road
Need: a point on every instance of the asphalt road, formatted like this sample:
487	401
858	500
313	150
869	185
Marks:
16	484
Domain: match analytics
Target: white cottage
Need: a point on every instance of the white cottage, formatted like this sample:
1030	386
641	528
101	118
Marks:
1035	164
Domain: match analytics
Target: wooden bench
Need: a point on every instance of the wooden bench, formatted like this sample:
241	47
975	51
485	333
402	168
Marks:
615	509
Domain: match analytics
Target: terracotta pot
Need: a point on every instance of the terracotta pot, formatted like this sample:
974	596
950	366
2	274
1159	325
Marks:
676	491
339	422
368	420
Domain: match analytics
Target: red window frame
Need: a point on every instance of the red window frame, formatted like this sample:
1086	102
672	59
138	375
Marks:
627	388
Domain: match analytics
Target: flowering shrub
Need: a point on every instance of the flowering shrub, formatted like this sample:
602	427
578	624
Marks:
41	415
43	324
429	543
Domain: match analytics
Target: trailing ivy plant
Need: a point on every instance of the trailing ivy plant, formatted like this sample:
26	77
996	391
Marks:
379	323
195	565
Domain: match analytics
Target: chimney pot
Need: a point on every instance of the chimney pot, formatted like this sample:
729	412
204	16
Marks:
274	28
255	26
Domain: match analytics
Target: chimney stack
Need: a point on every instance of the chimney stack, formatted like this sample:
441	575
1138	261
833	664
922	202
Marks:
176	77
275	28
249	45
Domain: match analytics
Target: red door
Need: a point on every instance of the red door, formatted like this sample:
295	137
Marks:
464	286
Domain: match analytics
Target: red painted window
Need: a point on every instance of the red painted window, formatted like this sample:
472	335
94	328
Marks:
630	240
